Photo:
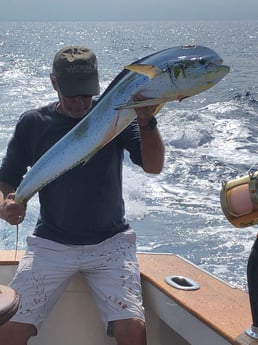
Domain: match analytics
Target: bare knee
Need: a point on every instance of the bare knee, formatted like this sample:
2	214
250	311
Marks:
129	331
16	333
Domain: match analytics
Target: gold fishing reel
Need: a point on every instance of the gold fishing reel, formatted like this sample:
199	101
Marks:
239	200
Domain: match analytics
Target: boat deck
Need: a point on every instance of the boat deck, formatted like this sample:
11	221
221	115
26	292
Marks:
223	309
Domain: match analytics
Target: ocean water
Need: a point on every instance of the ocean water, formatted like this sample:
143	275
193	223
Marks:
209	138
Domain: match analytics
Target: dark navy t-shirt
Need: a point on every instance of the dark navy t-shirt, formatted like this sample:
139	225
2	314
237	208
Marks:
85	204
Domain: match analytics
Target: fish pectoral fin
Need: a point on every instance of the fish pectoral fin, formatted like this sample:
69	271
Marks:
148	70
157	110
144	103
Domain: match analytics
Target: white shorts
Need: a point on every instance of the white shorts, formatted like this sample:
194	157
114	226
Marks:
47	266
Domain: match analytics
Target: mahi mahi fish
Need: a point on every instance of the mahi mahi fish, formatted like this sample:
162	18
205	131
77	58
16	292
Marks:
167	75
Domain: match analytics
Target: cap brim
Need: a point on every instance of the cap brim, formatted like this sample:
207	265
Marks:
79	87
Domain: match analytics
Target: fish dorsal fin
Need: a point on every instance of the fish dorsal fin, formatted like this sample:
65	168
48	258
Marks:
148	70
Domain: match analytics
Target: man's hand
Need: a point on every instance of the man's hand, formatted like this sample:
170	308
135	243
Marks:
144	114
12	212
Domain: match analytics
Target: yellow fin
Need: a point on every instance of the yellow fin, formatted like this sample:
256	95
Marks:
157	110
148	70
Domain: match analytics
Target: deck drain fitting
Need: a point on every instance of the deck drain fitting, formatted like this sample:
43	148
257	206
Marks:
182	283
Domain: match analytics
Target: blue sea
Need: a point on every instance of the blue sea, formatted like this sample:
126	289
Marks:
209	138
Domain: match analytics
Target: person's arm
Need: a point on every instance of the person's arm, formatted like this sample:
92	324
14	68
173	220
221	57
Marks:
10	211
152	146
152	149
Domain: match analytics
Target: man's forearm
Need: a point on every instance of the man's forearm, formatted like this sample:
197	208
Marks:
153	151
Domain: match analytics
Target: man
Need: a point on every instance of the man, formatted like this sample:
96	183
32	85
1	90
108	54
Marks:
82	211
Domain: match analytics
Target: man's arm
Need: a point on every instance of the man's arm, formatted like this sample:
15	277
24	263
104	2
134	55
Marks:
153	150
152	146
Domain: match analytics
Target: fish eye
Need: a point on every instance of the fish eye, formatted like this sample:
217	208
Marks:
202	61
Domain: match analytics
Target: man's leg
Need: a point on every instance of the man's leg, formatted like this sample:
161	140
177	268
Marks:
16	333
112	272
129	331
41	277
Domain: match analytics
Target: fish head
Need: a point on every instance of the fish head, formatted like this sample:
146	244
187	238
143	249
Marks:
196	70
178	72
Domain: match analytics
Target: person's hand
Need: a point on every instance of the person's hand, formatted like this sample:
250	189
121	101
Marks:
145	113
12	212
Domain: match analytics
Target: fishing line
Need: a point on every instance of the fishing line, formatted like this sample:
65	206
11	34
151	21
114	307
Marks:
16	244
14	268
